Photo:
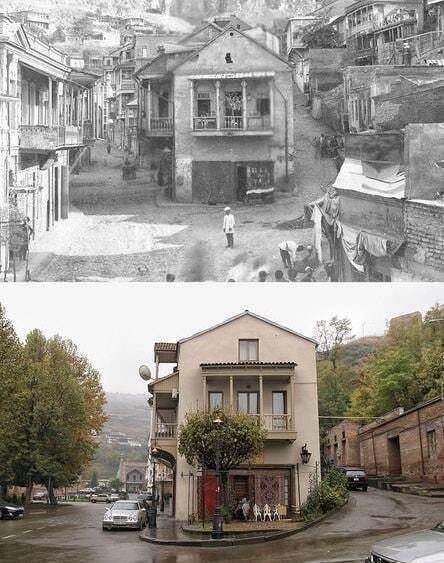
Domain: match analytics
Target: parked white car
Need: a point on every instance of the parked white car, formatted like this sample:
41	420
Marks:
100	497
426	546
125	514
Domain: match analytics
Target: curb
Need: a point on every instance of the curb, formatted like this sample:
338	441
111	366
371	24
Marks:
230	542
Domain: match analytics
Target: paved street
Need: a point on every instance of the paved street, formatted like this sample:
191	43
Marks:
126	231
74	534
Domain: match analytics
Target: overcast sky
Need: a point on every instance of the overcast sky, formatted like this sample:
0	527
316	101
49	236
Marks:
116	325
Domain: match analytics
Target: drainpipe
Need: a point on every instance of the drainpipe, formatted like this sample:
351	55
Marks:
285	100
420	442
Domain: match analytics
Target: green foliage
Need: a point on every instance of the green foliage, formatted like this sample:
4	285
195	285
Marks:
321	36
51	409
238	439
116	484
407	370
331	335
330	493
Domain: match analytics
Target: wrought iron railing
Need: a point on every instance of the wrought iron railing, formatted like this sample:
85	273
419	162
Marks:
161	123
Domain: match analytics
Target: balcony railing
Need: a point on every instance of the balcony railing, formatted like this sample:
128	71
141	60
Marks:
275	422
422	43
165	430
162	124
204	123
232	123
44	137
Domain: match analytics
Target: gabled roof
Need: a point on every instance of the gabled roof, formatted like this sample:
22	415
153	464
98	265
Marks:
231	29
248	314
199	30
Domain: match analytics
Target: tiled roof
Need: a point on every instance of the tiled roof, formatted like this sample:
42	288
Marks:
165	347
250	364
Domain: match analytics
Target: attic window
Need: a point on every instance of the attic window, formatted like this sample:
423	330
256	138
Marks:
231	34
228	58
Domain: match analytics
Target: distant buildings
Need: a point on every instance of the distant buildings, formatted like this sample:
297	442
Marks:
132	475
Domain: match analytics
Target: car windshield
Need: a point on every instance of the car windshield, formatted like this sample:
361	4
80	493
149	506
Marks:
354	473
126	506
439	527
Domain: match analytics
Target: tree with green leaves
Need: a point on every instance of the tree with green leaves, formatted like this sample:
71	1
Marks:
237	439
331	335
48	430
116	484
321	36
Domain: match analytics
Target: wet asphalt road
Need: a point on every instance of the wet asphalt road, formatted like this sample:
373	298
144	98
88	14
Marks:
74	534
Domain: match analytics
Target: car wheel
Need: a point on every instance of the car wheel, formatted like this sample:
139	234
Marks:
93	501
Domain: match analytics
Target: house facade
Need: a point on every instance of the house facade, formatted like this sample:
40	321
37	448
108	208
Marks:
227	110
132	475
250	365
341	448
43	113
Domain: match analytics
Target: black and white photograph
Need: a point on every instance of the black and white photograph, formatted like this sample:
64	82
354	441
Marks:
163	165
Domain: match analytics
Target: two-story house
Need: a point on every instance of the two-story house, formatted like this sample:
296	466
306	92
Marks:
246	364
229	106
42	115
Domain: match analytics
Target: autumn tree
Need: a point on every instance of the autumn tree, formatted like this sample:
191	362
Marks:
331	335
51	410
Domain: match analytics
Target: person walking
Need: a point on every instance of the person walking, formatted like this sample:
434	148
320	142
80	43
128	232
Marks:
229	227
288	250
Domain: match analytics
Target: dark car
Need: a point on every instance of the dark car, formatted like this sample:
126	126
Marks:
9	511
356	478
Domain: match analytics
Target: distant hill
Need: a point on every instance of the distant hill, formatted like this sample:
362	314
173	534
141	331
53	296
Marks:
356	350
129	414
173	15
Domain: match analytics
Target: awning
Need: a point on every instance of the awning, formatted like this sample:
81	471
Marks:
352	177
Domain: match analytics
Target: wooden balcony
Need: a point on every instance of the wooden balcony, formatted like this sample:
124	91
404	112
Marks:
45	138
158	127
232	125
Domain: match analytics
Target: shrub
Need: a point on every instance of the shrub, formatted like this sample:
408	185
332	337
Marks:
330	493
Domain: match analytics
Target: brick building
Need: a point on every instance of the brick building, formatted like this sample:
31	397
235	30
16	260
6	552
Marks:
341	447
408	443
226	110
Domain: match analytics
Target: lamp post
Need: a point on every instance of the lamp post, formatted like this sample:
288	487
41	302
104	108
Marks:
218	528
152	520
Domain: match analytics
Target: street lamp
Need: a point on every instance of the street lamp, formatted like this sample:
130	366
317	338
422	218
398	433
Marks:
152	520
305	454
218	528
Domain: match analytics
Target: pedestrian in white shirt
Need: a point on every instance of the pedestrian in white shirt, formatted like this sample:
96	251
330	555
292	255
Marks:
229	227
288	250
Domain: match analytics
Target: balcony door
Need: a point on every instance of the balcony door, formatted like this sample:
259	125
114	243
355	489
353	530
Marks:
247	402
233	110
279	421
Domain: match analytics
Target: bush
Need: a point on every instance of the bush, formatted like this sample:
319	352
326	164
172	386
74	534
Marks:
330	493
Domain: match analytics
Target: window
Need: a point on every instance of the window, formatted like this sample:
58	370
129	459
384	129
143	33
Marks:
248	350
247	402
263	106
228	58
144	52
203	104
279	410
215	400
431	443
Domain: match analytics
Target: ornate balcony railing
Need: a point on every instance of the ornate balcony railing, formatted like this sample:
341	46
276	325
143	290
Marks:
165	430
44	137
162	124
204	123
275	422
232	123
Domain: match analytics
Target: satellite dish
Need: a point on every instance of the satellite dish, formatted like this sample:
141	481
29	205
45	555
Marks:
145	373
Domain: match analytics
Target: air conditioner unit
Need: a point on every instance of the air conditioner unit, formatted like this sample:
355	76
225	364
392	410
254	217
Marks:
175	393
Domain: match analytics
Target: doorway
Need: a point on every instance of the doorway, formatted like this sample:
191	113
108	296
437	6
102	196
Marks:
56	193
242	178
394	456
